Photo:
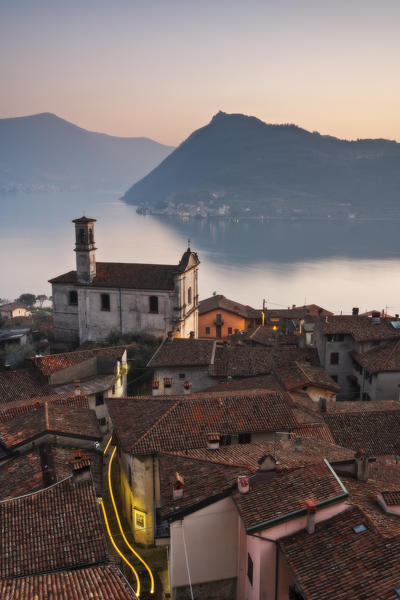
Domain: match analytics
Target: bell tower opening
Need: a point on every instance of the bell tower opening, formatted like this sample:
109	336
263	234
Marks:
85	250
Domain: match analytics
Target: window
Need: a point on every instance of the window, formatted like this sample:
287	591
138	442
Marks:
81	236
105	301
229	330
334	358
218	319
225	440
99	399
334	377
190	295
207	331
244	438
335	337
73	297
274	320
103	421
153	304
250	569
182	375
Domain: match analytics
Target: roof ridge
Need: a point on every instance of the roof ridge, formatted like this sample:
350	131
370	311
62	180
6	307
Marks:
298	365
205	459
170	409
390	354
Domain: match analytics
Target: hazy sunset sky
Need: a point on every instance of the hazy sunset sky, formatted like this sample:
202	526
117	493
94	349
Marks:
162	68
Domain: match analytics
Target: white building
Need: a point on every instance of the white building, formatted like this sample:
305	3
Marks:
100	297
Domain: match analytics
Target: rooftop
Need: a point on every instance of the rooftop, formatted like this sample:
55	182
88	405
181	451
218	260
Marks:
100	582
385	357
362	329
300	374
51	363
23	384
13	305
56	528
274	498
176	352
61	419
374	431
146	425
335	562
219	302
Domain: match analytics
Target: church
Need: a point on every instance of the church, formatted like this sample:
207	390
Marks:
100	297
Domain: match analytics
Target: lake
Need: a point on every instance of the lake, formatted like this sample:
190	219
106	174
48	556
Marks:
335	264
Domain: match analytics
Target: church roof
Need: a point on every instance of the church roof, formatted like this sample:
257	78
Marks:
127	275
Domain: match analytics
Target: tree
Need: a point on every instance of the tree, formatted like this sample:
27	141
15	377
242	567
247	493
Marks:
28	299
40	299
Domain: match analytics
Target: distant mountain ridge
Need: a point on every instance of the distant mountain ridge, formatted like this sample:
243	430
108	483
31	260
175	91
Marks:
44	151
239	165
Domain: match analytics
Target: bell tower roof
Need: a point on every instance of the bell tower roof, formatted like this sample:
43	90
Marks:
83	220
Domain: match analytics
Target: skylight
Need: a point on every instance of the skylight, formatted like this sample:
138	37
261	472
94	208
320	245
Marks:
395	324
359	528
397	590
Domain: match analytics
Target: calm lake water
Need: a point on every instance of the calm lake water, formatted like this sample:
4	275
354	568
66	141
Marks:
336	264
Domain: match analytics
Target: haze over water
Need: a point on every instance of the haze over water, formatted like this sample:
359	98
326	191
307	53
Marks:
336	264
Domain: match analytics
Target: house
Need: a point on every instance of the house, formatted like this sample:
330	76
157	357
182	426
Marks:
14	310
194	365
309	378
14	337
378	372
146	426
290	320
220	317
97	373
100	297
338	337
55	545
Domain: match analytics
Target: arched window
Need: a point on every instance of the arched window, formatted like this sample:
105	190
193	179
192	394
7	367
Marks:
81	236
190	295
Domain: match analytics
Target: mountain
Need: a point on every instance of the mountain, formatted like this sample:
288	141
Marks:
239	165
45	152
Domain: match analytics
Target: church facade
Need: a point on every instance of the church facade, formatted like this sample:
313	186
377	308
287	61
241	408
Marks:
100	297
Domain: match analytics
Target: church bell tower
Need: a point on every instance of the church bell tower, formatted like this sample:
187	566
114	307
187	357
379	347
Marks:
85	250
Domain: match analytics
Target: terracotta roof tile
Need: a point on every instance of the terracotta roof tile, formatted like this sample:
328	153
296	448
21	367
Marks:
20	407
21	385
248	361
274	496
376	432
49	417
335	562
260	382
127	275
183	352
299	374
220	302
51	363
21	475
102	582
385	357
362	329
56	528
145	426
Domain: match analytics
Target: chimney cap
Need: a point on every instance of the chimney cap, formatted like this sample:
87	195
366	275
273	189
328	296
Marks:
311	507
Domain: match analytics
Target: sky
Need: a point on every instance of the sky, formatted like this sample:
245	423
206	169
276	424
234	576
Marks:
163	68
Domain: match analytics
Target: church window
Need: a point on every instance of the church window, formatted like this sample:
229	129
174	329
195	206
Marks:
153	304
73	297
190	295
105	301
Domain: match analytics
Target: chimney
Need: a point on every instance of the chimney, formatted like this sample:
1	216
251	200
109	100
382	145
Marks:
155	387
177	486
320	311
167	386
243	483
191	335
77	388
311	510
186	387
213	441
298	444
355	311
362	465
293	306
80	468
322	404
396	315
